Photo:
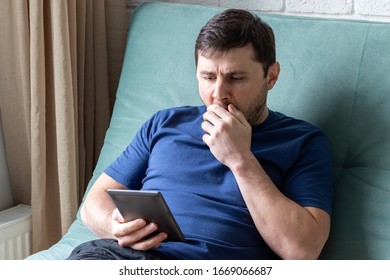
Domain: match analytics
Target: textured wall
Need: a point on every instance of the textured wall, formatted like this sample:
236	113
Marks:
372	10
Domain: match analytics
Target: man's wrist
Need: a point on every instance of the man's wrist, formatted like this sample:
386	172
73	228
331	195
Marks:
250	169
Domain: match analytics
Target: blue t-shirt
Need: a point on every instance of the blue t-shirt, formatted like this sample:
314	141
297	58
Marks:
168	155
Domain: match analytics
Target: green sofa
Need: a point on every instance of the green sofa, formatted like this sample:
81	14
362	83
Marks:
334	74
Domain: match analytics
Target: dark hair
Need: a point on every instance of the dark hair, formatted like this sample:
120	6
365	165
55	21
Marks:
235	28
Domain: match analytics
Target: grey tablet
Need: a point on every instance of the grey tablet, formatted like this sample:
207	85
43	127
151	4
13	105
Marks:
149	205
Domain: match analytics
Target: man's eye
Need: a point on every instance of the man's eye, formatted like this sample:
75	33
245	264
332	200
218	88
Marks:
208	78
237	78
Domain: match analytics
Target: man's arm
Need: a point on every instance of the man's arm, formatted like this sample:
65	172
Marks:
291	231
100	215
97	209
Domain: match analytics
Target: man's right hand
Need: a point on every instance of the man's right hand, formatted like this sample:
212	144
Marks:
132	234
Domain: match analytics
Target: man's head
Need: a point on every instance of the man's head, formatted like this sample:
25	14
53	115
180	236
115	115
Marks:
235	63
235	28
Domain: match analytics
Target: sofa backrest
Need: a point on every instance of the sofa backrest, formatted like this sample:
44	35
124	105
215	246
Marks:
334	74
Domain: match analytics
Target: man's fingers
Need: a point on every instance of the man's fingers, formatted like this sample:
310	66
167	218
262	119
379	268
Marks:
237	113
150	243
218	110
123	229
136	235
207	127
211	117
116	216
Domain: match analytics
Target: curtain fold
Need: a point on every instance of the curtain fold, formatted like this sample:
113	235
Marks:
56	100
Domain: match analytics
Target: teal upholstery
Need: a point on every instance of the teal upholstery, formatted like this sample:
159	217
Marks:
334	74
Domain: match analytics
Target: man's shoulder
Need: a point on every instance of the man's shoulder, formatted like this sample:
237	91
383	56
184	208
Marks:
280	119
176	117
178	113
289	128
180	110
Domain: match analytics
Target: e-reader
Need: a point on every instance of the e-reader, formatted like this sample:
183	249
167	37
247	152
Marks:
149	205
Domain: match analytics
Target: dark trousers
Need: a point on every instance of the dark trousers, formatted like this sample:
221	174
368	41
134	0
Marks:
108	249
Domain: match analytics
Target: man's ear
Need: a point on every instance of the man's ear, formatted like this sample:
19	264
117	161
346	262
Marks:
273	75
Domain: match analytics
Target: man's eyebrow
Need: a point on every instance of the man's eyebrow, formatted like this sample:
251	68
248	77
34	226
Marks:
236	72
228	72
206	72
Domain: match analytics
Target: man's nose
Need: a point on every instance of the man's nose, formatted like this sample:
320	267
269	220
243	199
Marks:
221	92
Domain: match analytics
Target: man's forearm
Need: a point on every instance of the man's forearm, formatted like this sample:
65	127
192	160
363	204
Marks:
97	219
96	212
292	231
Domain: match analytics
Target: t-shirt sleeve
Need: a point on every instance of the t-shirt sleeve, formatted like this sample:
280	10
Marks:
130	167
310	180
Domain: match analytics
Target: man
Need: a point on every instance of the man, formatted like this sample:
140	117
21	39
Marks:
242	181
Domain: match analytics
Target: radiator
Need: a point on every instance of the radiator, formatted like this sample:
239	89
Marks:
15	233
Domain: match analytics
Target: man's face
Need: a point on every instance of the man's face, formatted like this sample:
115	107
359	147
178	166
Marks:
236	78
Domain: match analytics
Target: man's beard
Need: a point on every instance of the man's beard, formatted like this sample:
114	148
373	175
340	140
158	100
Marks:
256	110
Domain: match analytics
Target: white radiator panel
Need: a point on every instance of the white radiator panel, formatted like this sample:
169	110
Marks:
15	233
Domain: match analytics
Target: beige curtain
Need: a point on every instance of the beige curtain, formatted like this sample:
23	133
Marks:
60	66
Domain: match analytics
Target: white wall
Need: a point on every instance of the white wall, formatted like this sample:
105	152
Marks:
370	10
